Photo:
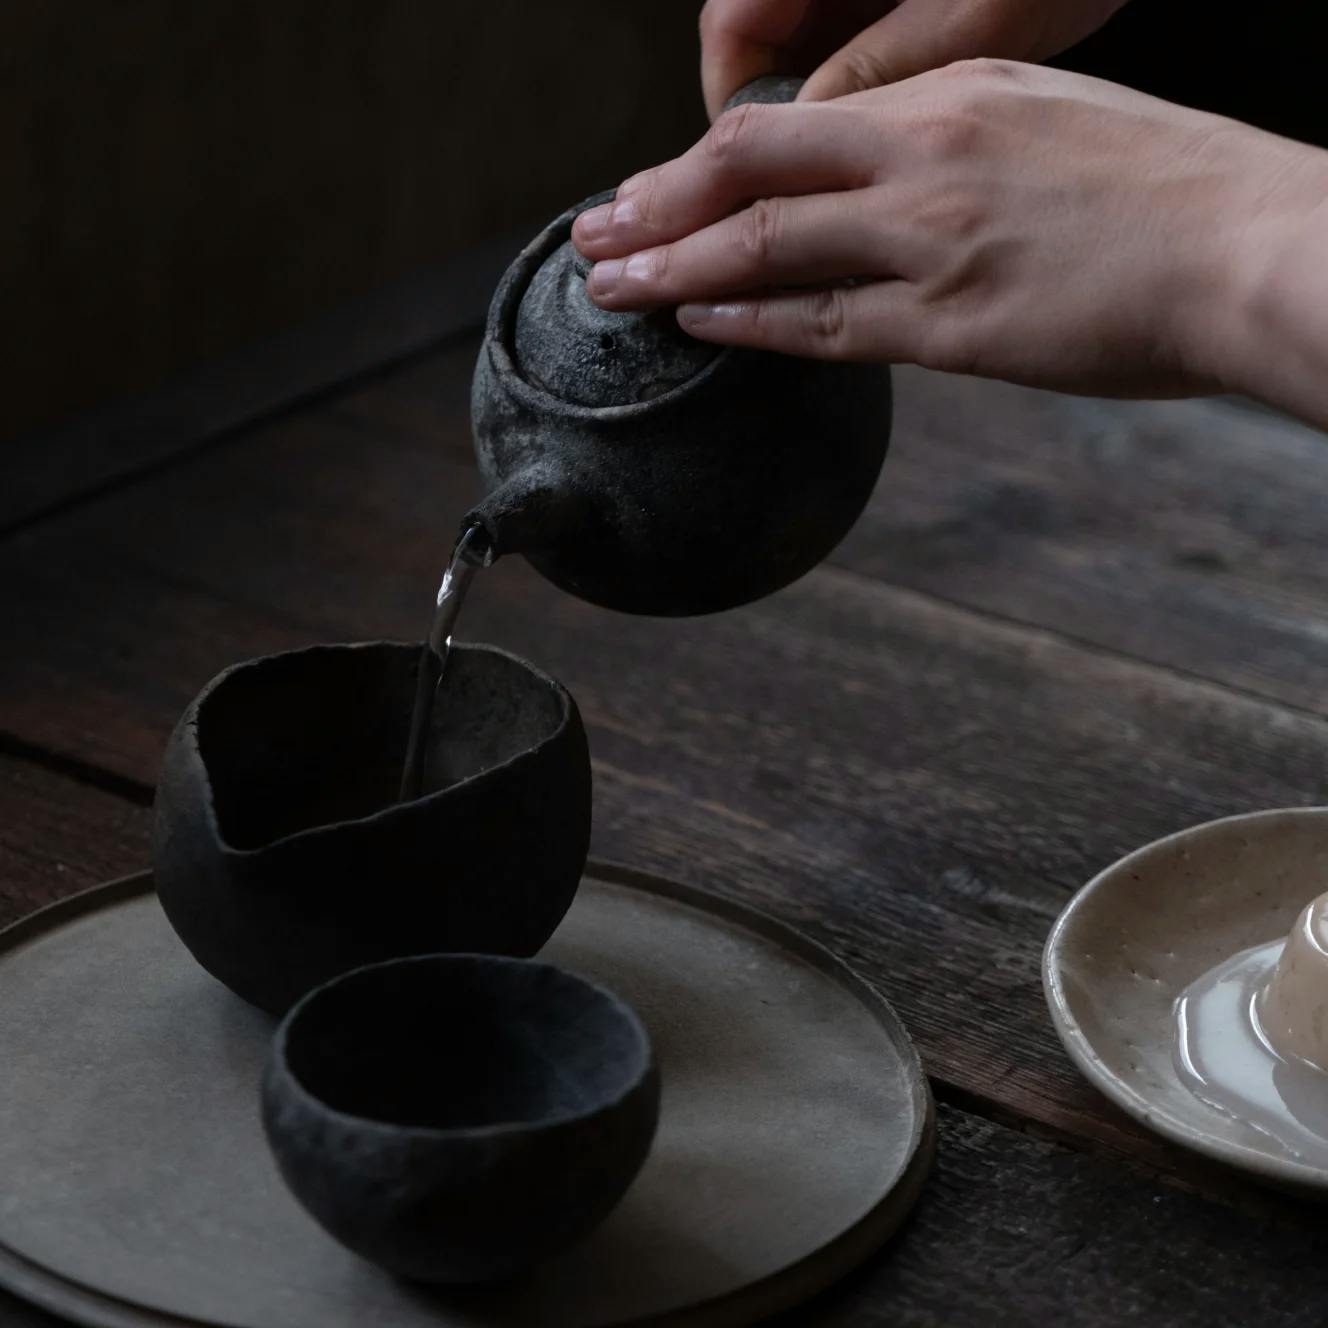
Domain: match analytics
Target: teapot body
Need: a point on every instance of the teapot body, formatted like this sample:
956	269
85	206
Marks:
726	481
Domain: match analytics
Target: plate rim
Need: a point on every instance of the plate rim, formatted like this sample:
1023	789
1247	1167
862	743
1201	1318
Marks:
1270	1168
782	1290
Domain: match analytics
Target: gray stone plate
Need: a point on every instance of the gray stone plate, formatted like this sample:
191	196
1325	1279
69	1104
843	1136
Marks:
136	1190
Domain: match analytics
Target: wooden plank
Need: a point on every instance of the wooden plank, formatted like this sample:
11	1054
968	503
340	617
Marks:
59	835
1010	1231
1188	533
918	785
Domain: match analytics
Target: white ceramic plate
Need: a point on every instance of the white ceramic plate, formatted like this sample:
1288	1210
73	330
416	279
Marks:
1140	932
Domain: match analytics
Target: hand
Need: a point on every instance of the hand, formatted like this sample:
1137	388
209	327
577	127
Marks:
853	45
996	219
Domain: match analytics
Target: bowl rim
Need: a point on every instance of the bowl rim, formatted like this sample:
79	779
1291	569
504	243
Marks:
187	731
644	1068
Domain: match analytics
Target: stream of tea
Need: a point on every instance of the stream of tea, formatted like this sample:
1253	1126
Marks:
470	554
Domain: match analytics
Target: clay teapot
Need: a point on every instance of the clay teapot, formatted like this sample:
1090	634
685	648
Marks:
649	472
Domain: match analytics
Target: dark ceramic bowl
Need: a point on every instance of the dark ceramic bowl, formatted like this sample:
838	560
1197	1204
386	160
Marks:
282	858
456	1118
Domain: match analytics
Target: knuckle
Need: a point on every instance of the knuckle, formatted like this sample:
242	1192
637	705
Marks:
865	69
956	216
985	69
645	200
660	262
731	134
759	230
827	317
951	132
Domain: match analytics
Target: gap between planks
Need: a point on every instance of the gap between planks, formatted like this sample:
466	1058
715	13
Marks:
1073	641
234	431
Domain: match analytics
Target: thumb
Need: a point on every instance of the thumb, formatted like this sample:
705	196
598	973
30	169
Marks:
909	40
744	39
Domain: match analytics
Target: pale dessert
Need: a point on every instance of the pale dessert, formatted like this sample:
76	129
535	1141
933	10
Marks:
1252	1038
1292	1009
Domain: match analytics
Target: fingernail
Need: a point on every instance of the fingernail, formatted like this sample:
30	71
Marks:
604	276
693	315
593	222
640	267
623	213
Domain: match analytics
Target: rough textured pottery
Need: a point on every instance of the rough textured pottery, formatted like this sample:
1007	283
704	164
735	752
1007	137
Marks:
282	858
457	1118
649	472
1138	934
795	1131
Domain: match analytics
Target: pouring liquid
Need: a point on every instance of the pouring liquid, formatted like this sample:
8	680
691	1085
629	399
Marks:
470	554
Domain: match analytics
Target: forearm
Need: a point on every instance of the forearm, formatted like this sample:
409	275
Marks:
1273	346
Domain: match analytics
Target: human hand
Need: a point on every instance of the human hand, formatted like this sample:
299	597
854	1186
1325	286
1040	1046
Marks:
851	46
997	219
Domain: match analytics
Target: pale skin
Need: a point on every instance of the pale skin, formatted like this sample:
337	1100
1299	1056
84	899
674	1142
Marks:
986	217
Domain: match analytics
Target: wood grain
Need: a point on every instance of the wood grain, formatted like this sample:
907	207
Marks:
53	469
1188	533
58	836
918	784
1011	1232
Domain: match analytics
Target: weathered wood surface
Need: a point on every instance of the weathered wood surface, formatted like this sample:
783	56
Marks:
915	754
1013	1232
89	454
919	784
1189	533
1186	533
1009	1228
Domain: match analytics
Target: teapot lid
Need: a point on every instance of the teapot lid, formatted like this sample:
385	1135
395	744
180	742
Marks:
585	355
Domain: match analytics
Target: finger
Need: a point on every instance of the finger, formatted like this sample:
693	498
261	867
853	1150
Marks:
742	40
873	322
750	152
775	242
911	39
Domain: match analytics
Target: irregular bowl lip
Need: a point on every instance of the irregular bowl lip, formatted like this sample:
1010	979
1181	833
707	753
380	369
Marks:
499	327
189	722
1288	1171
645	1069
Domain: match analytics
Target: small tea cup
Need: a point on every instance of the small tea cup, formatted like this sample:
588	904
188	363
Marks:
457	1118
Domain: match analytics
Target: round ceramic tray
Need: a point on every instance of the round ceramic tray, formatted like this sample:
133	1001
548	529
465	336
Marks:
1131	941
796	1130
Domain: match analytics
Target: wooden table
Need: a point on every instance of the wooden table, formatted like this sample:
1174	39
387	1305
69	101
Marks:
1063	628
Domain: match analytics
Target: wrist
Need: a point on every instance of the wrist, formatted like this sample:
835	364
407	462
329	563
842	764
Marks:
1269	339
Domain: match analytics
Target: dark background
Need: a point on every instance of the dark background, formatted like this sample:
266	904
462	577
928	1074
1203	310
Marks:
179	179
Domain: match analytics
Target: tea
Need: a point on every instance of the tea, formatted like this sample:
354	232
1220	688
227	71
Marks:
472	551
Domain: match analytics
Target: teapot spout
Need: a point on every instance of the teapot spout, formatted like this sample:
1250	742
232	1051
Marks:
530	512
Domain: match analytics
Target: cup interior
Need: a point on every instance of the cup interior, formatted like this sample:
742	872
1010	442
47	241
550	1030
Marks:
318	736
463	1042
